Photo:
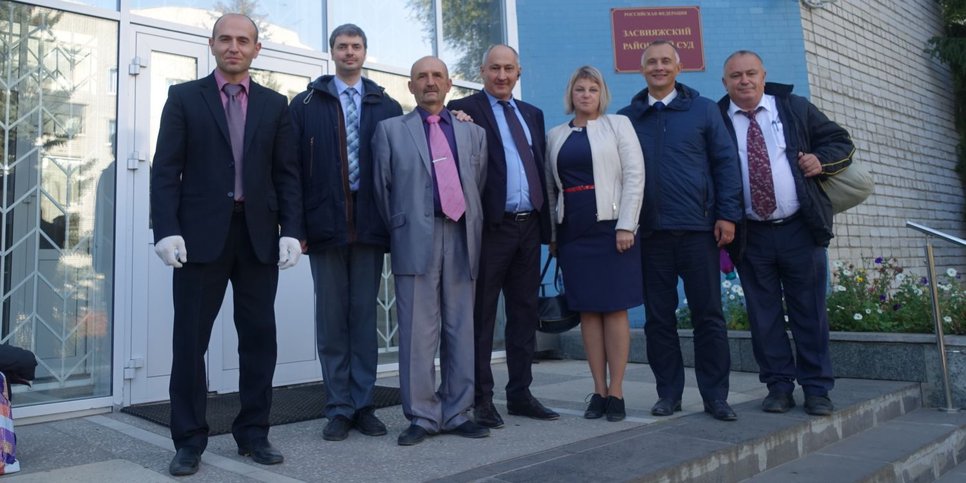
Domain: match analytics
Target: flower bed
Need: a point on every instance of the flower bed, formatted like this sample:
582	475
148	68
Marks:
877	297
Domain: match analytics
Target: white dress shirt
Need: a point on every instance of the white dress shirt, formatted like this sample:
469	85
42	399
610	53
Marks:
781	171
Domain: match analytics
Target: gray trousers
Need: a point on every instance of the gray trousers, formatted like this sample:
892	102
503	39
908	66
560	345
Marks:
346	286
435	310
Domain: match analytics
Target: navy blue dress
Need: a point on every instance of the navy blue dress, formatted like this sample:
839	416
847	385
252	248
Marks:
596	277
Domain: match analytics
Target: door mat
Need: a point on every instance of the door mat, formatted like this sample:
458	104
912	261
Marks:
290	404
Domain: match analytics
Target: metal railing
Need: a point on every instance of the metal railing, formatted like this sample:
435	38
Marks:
934	294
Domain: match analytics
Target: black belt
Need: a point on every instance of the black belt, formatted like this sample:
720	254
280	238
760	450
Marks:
520	215
239	207
776	222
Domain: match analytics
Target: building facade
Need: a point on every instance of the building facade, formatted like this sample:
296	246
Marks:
82	85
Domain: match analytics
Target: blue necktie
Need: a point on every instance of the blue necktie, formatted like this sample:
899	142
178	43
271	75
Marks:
352	137
659	105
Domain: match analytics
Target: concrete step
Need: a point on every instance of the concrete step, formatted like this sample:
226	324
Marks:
917	447
696	448
955	475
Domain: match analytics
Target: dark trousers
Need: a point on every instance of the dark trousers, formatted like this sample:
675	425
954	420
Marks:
346	286
693	256
509	261
782	261
199	290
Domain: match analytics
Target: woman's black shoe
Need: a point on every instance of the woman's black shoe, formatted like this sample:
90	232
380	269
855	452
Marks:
615	409
596	408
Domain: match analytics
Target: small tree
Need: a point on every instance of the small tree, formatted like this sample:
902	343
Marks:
950	48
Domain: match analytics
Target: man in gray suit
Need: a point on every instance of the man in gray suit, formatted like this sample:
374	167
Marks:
430	170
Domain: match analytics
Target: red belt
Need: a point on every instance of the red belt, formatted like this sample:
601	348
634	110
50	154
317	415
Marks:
574	189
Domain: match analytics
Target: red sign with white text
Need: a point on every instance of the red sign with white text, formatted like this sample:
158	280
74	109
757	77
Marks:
635	28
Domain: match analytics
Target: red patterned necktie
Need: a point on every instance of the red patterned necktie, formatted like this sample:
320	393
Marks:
759	170
447	178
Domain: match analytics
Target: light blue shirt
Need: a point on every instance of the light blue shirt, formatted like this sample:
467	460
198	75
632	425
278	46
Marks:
517	188
340	87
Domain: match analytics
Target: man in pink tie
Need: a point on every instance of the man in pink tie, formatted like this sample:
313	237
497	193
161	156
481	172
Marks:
429	172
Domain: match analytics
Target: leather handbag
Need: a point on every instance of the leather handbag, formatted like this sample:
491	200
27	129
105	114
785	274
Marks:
848	188
554	316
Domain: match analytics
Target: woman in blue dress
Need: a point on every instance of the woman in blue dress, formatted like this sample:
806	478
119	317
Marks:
595	163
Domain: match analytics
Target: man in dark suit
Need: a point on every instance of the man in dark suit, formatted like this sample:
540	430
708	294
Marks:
786	146
429	174
347	240
224	179
516	221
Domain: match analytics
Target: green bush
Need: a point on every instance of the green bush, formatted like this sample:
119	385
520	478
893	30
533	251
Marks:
879	297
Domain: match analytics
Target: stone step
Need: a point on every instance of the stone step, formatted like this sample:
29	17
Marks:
955	475
920	446
697	448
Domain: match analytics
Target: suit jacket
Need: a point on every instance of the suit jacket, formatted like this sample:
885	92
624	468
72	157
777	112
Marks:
494	195
192	178
404	189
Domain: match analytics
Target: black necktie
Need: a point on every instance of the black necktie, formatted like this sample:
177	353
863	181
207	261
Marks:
526	155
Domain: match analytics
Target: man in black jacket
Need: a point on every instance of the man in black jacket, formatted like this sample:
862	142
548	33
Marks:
786	146
516	221
223	198
334	120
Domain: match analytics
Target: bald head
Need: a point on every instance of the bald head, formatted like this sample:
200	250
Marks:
429	83
214	29
500	71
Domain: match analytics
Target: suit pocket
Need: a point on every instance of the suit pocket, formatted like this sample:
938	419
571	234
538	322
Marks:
397	220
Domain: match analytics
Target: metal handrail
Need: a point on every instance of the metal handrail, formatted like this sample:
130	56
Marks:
934	293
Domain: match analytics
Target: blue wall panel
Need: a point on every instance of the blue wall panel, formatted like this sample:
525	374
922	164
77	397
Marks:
557	36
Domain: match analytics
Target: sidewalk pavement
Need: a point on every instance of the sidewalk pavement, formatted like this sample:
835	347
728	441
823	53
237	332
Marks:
119	447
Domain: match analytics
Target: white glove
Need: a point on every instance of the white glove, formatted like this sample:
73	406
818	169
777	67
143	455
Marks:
289	251
171	251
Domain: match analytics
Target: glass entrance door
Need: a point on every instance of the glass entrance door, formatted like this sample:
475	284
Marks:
58	126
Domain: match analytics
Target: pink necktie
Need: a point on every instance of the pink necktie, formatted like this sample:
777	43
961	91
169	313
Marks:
447	178
236	131
759	170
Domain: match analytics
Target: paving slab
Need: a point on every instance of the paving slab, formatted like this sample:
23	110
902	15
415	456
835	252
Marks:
569	449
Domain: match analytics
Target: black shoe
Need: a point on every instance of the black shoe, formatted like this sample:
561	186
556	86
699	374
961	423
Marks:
469	429
337	429
262	452
185	462
615	409
666	407
596	408
720	410
531	408
368	424
778	402
818	405
413	435
486	415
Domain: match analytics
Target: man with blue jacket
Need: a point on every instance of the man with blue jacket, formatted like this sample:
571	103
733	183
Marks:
334	120
692	199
